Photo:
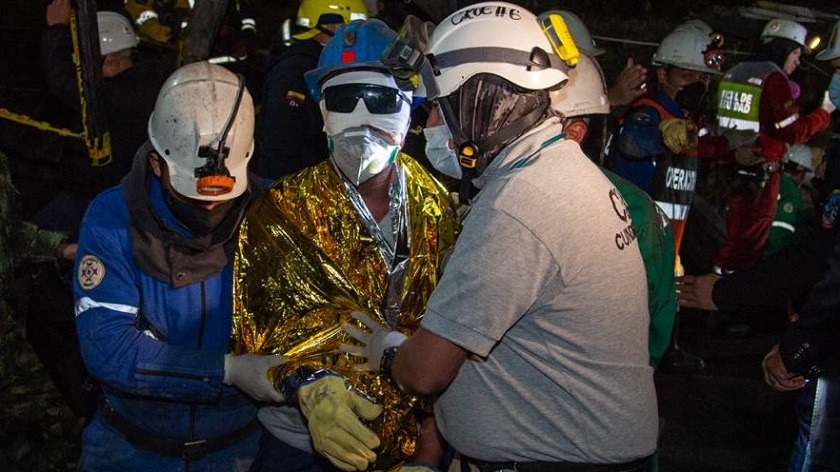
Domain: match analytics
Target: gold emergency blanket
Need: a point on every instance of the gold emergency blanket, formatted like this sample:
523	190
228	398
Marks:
306	260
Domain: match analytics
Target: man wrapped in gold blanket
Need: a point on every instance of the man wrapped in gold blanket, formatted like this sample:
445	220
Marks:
366	230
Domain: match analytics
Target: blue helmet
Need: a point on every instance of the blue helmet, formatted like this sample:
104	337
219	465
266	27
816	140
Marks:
357	45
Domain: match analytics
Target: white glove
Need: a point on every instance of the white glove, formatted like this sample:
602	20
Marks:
249	372
371	345
827	104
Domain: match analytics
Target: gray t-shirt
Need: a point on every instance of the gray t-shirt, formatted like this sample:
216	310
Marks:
546	287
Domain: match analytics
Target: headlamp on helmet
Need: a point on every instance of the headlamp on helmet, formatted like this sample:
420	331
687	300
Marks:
714	56
558	34
213	178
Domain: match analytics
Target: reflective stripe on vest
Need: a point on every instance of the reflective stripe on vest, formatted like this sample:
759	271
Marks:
739	94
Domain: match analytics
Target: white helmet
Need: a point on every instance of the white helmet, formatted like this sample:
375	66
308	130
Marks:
115	32
802	155
686	47
203	127
493	37
579	32
780	28
585	93
833	49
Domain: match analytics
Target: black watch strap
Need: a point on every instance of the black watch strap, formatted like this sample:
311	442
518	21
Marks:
387	361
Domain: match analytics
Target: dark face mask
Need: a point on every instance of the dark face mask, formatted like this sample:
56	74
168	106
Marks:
690	98
199	220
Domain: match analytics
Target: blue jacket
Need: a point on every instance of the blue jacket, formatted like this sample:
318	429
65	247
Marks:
158	350
639	140
289	130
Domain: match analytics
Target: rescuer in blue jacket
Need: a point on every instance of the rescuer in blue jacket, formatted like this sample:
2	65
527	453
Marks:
153	289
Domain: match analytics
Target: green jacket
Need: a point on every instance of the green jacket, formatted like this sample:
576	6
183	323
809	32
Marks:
656	243
786	221
19	241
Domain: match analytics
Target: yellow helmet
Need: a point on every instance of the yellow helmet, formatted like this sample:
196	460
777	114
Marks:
314	13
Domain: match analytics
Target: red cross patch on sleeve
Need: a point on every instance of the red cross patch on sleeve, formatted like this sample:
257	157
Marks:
91	272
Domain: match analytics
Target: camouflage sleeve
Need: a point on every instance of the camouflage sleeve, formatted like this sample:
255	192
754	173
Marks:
32	244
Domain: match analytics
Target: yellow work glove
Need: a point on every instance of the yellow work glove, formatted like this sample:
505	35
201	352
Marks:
679	134
333	412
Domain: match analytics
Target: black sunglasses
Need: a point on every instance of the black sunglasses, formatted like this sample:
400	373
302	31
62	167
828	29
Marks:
379	100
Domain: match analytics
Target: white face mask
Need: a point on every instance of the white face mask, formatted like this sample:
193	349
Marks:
361	153
442	158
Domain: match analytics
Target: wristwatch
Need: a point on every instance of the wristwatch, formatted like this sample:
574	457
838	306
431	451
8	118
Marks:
387	361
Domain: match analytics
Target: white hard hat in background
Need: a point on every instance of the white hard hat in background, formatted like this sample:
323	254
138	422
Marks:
585	93
580	33
788	29
802	155
115	32
686	47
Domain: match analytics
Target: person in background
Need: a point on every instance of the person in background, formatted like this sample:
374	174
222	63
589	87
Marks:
289	134
628	84
756	95
36	425
516	338
153	283
806	273
368	229
797	169
662	137
127	92
161	23
584	102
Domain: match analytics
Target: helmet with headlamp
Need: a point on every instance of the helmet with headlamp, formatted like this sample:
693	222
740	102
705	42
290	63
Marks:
692	46
203	128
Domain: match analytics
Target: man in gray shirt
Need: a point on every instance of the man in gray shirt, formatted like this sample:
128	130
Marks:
537	332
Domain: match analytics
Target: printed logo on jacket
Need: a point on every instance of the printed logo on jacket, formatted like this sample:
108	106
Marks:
91	272
626	236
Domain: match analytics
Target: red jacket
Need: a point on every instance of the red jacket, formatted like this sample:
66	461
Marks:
751	215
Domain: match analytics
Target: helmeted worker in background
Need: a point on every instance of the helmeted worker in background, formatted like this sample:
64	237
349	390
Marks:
629	83
153	289
584	102
365	230
756	95
127	93
797	169
662	137
289	132
660	140
544	300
